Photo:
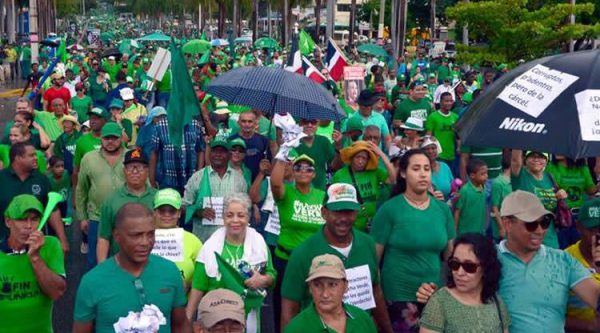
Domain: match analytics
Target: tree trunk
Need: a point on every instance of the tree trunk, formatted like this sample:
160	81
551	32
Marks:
317	19
381	28
284	22
403	11
236	19
254	20
434	35
352	22
269	13
222	18
465	33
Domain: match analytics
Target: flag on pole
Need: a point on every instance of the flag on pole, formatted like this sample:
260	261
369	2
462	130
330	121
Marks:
203	192
61	53
183	104
307	44
294	61
335	60
311	72
234	281
203	36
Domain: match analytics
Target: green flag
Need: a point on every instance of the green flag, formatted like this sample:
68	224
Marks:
183	103
203	36
234	281
307	45
61	53
203	192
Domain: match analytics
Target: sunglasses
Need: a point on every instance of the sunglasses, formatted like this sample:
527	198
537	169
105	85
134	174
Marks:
544	223
238	150
469	267
305	168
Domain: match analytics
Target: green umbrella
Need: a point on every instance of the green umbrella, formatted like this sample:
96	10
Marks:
266	42
107	36
125	46
196	46
372	49
155	37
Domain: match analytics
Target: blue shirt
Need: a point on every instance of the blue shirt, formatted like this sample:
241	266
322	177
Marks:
442	180
257	148
536	293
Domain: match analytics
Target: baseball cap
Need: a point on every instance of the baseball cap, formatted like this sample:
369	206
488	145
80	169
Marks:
221	304
126	93
222	108
530	152
341	196
432	75
167	196
220	143
303	157
116	104
98	111
129	79
237	142
21	204
326	265
134	155
111	58
145	61
354	124
111	129
523	205
589	214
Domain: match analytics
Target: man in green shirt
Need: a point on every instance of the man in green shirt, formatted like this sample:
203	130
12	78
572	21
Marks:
135	189
32	270
441	125
137	278
414	106
320	150
337	237
100	175
328	313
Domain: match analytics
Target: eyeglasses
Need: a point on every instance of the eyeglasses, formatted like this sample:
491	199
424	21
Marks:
469	267
533	226
136	168
304	168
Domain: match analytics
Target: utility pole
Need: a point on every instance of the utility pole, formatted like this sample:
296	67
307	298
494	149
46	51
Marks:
11	21
352	22
235	20
432	4
83	7
330	19
403	12
465	33
381	17
572	21
33	30
254	20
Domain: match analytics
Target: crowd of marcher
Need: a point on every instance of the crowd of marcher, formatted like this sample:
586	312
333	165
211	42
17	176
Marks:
381	222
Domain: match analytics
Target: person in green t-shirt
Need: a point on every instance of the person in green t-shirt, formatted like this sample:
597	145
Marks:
328	313
32	269
319	149
411	231
116	108
137	279
441	125
530	176
414	106
501	188
363	172
574	177
236	162
470	212
81	103
60	182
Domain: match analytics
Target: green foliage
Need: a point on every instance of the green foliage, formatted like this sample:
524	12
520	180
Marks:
509	30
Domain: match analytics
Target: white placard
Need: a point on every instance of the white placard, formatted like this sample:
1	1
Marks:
168	243
588	109
360	288
215	203
533	91
273	225
159	66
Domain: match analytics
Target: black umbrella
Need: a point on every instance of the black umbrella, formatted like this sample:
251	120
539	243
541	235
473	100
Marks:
50	42
114	52
551	105
275	90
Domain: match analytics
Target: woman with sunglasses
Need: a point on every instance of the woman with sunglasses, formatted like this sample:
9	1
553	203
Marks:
469	302
530	175
299	206
81	102
411	230
236	162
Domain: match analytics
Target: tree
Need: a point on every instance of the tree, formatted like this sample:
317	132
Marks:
507	30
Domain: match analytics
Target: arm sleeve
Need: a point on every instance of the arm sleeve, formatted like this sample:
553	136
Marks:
432	317
450	228
270	269
189	195
429	123
85	307
53	256
382	225
78	153
462	198
200	279
576	271
496	194
81	193
106	220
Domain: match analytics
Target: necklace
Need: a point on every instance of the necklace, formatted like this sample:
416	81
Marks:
419	205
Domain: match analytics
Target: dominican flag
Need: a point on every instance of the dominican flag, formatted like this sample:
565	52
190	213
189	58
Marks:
311	72
335	60
294	61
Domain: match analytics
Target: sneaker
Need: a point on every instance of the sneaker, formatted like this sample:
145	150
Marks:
83	248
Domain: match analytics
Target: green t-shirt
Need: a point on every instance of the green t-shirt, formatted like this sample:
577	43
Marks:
233	256
164	85
544	190
443	72
161	283
49	123
23	305
501	188
362	253
444	313
414	240
491	156
299	216
368	184
62	185
82	107
322	152
409	108
357	321
65	143
442	127
85	144
473	209
576	181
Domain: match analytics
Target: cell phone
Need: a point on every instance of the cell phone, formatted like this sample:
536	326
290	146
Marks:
597	263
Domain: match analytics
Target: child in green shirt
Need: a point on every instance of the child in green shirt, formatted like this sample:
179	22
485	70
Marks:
501	188
470	211
60	182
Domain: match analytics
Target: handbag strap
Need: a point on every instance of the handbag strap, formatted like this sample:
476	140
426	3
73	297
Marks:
553	180
358	196
499	313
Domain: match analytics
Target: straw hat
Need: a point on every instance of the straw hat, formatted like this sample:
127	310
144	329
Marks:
348	153
69	118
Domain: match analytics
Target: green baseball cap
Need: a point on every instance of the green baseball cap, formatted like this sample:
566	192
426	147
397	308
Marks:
589	214
220	143
167	196
111	129
304	157
116	103
98	111
341	196
237	142
354	124
21	204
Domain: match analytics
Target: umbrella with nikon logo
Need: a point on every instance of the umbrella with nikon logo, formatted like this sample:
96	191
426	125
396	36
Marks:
550	104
